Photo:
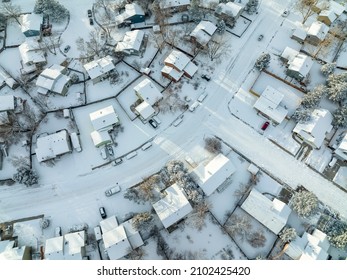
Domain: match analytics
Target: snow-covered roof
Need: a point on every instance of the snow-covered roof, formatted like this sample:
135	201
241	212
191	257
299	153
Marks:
67	247
190	69
54	248
133	235
301	64
300	33
6	78
315	130
31	52
341	149
8	251
104	119
310	246
109	224
7	102
178	59
52	79
100	138
289	54
116	243
173	207
330	15
148	92
337	8
99	67
145	110
131	10
132	41
229	8
52	145
208	3
269	104
166	4
319	30
272	214
203	32
31	22
210	176
173	73
341	177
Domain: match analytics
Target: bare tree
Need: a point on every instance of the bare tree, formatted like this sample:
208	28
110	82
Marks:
50	43
91	48
10	10
158	40
215	49
213	145
308	7
256	239
136	254
198	216
238	226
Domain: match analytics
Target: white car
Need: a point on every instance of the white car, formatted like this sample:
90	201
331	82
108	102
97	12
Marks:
103	153
112	190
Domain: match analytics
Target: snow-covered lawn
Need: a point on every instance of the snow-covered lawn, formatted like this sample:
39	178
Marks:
342	57
104	89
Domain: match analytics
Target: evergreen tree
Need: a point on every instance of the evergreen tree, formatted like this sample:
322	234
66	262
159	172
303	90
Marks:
339	241
263	61
340	117
25	176
337	85
304	203
52	8
328	68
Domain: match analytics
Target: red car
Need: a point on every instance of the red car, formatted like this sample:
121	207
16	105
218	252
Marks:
265	125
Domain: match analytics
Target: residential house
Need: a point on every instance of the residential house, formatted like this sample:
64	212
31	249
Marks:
214	174
178	64
341	150
100	69
273	214
119	240
340	177
298	64
132	43
9	103
31	24
52	146
331	5
174	5
71	246
269	105
299	35
313	246
314	131
133	14
103	120
7	80
203	32
208	4
32	55
149	95
317	33
173	207
10	251
327	17
233	9
53	80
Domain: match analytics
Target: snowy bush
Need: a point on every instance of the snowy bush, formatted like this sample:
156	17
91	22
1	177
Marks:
74	78
340	117
304	203
337	85
44	223
256	239
339	241
26	176
328	68
251	6
336	228
302	115
287	235
263	61
52	8
213	145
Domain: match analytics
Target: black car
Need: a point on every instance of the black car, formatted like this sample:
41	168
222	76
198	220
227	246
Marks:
91	21
66	49
102	212
110	150
153	123
206	77
90	13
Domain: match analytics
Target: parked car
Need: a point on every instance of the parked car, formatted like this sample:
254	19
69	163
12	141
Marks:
91	21
153	123
57	231
265	125
67	48
89	13
117	161
285	13
260	37
103	153
110	150
202	97
206	77
194	106
103	212
112	190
